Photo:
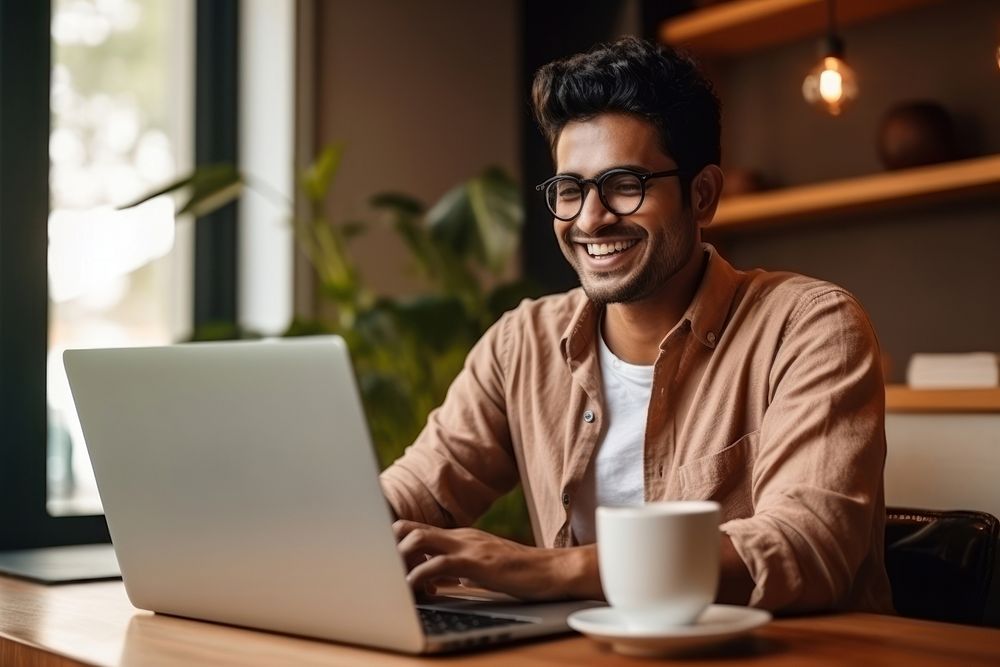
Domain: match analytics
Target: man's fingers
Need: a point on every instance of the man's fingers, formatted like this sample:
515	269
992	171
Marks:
442	566
424	540
420	541
402	527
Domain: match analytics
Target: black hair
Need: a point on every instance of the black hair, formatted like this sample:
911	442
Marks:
634	76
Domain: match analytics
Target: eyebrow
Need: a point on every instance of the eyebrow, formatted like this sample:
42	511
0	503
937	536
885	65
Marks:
632	167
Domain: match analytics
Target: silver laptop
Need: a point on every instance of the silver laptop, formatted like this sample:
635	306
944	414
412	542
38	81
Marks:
240	486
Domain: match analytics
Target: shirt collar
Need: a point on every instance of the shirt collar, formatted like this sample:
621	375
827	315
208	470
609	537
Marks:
707	314
713	300
579	334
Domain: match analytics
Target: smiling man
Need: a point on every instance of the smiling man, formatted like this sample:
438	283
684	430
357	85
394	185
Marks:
667	375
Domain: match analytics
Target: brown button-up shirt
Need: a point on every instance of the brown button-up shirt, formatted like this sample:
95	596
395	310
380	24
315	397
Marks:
767	397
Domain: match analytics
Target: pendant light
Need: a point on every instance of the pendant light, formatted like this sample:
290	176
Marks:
831	85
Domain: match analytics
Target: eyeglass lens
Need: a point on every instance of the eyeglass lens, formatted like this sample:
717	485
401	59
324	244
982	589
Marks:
621	193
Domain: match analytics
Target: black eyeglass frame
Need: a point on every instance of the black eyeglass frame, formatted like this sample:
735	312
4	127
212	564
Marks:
598	184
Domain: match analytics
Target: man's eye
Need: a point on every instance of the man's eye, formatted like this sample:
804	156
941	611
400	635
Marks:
569	192
627	188
623	184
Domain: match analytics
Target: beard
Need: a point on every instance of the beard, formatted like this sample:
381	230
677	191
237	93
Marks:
665	253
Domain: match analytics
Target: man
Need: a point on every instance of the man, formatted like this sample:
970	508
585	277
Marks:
667	375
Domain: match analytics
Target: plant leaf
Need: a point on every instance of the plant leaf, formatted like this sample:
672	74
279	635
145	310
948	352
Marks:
353	228
391	417
499	216
399	203
307	327
406	214
316	178
435	321
211	199
452	221
212	186
508	295
171	188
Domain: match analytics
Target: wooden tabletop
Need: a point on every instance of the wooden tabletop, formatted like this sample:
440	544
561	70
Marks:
94	624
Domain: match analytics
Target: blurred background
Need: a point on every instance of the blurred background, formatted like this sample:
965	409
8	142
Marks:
368	169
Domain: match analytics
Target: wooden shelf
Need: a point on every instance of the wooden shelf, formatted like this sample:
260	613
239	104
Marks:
741	26
896	189
900	398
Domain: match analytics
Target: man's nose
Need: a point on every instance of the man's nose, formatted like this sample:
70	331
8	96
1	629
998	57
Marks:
594	216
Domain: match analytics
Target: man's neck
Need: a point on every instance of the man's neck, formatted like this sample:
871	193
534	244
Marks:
633	331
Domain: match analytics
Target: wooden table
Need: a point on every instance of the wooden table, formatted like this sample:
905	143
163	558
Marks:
95	624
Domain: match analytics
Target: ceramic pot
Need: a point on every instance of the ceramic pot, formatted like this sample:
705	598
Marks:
912	134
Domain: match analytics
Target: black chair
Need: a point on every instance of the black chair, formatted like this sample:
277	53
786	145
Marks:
941	564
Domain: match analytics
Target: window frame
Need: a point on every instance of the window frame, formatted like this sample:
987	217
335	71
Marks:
25	71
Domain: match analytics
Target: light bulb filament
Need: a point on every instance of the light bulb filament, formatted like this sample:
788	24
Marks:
831	83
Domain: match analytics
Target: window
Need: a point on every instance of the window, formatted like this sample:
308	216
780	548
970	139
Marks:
133	292
122	112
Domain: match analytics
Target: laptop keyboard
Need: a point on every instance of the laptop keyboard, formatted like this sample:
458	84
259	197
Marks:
437	622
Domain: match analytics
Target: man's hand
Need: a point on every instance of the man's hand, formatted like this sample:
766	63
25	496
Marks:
529	573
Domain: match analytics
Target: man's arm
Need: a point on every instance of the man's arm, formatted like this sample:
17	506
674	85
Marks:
817	476
462	460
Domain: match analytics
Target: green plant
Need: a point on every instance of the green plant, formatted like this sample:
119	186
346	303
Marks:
406	352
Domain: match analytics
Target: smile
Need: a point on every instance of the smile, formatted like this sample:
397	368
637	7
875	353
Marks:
602	249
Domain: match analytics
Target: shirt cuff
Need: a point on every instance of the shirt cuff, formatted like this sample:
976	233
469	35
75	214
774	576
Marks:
409	498
770	559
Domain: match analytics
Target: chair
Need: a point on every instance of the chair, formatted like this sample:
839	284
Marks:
940	564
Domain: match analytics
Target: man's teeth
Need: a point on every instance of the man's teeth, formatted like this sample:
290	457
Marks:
598	249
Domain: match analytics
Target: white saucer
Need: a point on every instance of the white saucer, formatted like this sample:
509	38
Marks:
718	623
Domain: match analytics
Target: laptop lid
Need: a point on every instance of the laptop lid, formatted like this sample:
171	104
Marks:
240	485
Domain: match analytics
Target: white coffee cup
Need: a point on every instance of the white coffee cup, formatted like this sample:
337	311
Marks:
659	562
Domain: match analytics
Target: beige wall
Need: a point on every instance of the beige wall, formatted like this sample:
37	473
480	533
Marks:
424	95
943	462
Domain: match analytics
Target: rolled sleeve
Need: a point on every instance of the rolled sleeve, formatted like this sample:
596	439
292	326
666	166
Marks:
817	478
462	460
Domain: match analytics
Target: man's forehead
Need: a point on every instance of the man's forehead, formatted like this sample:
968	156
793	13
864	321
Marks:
608	140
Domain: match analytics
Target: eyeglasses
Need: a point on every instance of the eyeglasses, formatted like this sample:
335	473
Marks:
620	190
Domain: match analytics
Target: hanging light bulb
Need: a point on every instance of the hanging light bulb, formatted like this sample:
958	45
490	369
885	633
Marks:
831	85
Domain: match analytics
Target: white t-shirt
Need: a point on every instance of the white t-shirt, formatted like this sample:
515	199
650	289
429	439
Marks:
614	476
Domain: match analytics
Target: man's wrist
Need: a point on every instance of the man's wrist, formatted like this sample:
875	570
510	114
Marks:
735	583
574	573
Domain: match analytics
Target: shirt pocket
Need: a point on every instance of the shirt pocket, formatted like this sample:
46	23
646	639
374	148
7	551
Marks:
724	477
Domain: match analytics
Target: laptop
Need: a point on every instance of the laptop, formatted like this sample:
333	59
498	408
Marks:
240	486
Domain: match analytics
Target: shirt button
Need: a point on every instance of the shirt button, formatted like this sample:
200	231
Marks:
589	416
565	500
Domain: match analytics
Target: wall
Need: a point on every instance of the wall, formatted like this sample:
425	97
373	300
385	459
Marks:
929	277
943	461
425	95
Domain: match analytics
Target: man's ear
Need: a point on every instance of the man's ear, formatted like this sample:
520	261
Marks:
706	188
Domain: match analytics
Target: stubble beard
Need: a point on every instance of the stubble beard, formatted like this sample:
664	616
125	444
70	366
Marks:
667	254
